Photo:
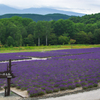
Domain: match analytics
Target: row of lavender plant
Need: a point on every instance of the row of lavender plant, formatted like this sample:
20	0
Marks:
93	56
12	56
53	75
59	52
25	55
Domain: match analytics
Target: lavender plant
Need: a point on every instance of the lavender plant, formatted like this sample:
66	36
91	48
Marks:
67	69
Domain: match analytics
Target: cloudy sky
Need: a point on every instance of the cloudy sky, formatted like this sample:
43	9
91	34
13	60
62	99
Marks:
80	6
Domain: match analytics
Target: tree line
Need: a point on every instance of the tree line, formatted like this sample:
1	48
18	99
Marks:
37	17
18	31
87	19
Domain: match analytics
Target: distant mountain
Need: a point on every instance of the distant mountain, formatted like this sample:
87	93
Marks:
6	9
9	10
37	17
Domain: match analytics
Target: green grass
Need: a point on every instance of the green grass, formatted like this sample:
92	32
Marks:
45	48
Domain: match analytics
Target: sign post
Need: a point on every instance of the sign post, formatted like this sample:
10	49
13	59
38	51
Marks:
7	74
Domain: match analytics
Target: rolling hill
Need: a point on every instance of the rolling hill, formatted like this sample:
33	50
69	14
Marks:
37	17
4	9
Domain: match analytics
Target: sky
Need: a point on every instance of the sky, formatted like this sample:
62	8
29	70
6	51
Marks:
80	6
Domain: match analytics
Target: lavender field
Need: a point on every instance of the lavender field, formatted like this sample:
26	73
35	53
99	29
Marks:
65	69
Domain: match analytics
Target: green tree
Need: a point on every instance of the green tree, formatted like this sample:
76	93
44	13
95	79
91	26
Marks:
70	28
18	22
31	41
16	19
26	21
97	36
11	29
98	24
2	33
52	40
90	28
39	31
31	27
59	27
79	27
90	38
47	30
72	41
26	41
22	29
63	39
10	41
18	39
81	37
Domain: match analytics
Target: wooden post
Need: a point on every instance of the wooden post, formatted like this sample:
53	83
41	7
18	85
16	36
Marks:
5	91
10	65
7	74
9	79
8	86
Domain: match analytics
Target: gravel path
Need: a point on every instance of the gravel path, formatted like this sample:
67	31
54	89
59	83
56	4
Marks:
88	95
83	95
12	96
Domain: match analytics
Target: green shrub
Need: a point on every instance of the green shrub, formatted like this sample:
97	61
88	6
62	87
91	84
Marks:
23	88
62	88
18	87
41	93
85	87
56	90
43	88
49	91
12	85
56	85
71	87
34	95
1	88
95	85
90	86
78	85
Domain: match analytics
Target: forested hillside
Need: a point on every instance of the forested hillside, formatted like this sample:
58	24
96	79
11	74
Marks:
87	19
18	31
37	17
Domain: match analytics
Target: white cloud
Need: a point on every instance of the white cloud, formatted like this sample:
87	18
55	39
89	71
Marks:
81	6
